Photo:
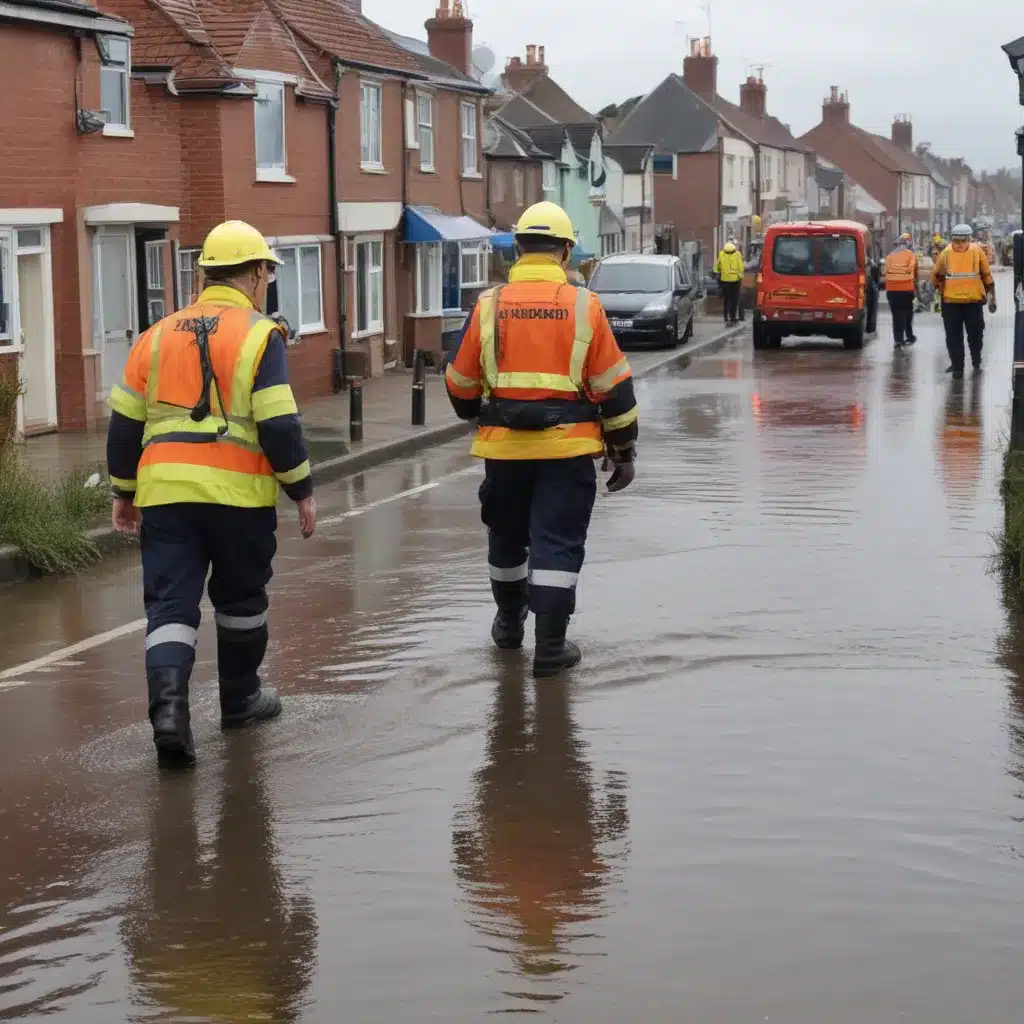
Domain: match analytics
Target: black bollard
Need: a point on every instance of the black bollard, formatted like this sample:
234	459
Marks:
355	409
419	389
1017	408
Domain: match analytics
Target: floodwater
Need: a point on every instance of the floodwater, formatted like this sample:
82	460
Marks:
785	786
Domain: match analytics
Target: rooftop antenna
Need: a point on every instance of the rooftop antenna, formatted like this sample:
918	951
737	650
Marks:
706	8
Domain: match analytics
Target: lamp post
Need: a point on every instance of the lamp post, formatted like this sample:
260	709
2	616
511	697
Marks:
1015	54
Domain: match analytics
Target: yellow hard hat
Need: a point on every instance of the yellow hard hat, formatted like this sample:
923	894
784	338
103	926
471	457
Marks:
233	243
546	220
729	247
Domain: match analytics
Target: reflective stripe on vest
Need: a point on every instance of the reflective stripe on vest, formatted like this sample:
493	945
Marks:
218	458
570	383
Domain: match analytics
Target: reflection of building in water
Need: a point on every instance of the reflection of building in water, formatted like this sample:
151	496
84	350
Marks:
212	936
528	849
961	443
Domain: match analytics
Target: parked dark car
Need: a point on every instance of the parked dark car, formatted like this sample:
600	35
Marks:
648	298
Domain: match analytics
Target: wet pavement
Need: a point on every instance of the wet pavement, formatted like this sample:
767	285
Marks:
786	786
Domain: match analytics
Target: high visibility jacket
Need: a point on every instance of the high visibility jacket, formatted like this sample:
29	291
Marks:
218	459
540	368
900	271
729	266
962	276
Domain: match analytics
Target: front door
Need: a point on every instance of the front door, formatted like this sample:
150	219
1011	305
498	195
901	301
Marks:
37	357
115	300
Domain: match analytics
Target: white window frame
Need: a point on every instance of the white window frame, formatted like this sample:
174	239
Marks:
187	269
275	171
549	179
469	118
425	126
124	72
368	160
301	328
372	326
9	339
479	251
432	251
730	165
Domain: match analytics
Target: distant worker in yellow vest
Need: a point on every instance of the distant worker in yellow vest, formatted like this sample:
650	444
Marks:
901	271
963	276
729	269
541	374
204	433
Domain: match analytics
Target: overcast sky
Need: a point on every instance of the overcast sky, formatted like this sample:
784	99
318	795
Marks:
946	71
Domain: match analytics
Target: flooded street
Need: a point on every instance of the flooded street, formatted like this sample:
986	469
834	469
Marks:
784	786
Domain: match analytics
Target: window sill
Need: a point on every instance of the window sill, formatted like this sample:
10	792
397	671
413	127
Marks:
372	169
304	332
433	315
473	284
428	170
118	131
370	332
472	176
278	177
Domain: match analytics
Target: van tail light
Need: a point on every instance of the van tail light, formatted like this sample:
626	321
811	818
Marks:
760	278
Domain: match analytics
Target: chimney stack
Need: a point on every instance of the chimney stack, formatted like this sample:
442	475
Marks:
835	111
903	132
754	97
518	75
700	68
450	35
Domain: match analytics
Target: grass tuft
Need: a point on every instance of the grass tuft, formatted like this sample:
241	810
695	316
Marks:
47	521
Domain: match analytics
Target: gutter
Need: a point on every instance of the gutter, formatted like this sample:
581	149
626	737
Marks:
18	11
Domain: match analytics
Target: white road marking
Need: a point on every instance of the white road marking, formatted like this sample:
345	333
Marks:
8	677
440	481
65	652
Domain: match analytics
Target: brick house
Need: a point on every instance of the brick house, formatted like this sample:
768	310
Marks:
144	125
517	169
889	169
716	164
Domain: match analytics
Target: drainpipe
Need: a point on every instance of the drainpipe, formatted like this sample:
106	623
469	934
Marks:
341	362
643	196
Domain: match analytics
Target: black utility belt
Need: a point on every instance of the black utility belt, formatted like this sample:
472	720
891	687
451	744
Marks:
521	414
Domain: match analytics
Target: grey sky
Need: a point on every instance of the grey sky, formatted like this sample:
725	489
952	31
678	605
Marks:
947	72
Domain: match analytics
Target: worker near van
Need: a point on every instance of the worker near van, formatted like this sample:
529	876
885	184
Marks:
204	434
729	268
963	276
541	375
901	271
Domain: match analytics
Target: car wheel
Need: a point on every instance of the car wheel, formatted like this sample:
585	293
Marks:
774	337
854	338
760	335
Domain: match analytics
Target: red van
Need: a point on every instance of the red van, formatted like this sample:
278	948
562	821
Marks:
813	280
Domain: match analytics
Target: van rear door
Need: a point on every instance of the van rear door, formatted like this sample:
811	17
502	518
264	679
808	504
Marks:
815	271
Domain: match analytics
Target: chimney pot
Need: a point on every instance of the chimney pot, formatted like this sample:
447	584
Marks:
531	54
700	68
450	36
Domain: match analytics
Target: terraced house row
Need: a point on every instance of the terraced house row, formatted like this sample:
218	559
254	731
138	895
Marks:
131	128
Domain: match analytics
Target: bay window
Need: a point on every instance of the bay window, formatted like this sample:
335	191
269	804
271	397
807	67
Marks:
428	278
299	288
474	264
370	285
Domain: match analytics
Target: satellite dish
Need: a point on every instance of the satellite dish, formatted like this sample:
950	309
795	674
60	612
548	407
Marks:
483	59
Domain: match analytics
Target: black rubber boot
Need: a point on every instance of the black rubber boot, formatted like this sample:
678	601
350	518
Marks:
509	627
240	705
169	716
553	653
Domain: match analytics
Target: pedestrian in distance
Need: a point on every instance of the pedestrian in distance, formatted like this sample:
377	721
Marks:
963	277
729	269
541	375
203	435
901	274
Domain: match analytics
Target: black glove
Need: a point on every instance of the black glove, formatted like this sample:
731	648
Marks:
623	472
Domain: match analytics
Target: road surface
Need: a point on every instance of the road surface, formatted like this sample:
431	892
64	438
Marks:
785	785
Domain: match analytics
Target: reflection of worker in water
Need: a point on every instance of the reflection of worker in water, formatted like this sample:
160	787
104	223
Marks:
527	849
961	441
212	936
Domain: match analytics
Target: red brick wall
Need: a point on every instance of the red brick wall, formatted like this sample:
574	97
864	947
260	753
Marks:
836	145
356	185
501	174
691	203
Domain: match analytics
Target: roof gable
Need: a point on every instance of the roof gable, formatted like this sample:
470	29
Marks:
671	118
524	114
547	95
762	131
512	143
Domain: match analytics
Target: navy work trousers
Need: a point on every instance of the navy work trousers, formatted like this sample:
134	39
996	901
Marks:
958	317
181	543
537	512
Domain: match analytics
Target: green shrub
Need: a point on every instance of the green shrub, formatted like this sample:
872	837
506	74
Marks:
11	389
1011	542
47	521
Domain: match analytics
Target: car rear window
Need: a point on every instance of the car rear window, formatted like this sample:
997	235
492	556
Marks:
806	255
631	277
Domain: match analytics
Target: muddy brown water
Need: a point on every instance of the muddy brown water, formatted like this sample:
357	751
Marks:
785	786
